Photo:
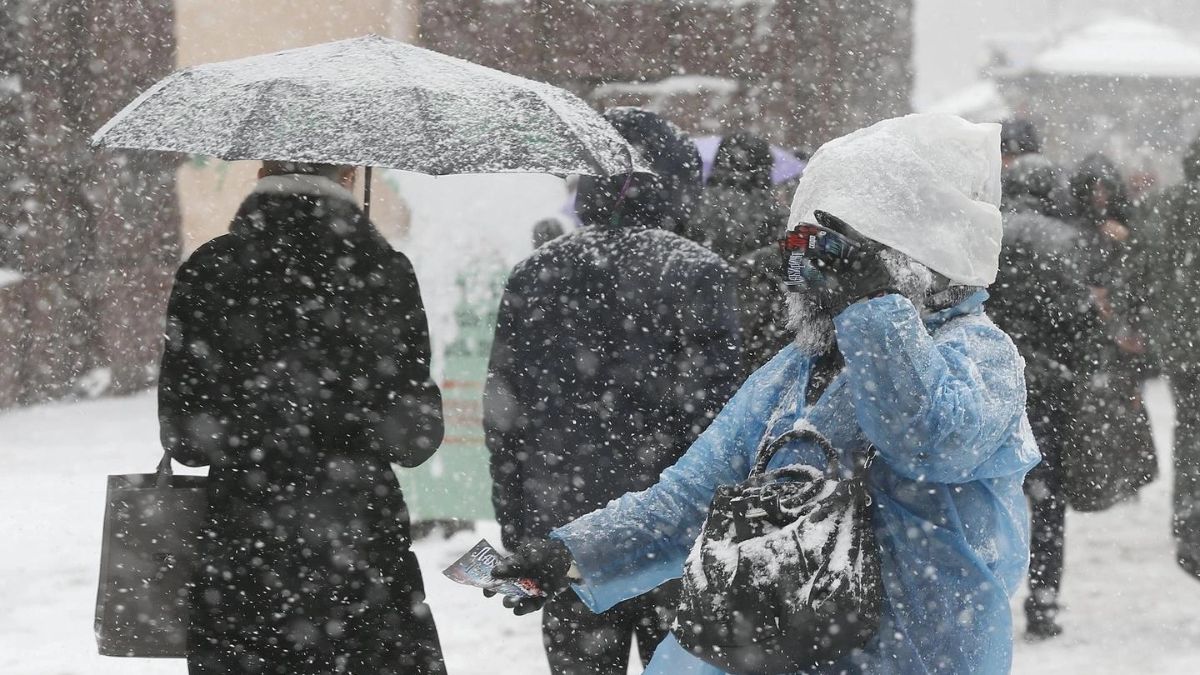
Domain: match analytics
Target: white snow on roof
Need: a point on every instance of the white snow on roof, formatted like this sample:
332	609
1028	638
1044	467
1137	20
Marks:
8	277
978	102
1122	46
680	84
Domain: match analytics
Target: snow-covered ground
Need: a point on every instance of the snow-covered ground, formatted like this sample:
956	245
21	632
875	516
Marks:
1129	609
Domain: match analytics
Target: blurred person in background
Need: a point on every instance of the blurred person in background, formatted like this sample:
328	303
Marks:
739	219
1020	137
1176	304
1113	428
737	212
296	367
546	230
1103	214
1042	300
615	347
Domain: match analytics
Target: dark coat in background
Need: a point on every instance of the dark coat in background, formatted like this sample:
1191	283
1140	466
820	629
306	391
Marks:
1113	449
739	219
1174	223
1175	227
1042	300
762	308
615	345
297	368
737	213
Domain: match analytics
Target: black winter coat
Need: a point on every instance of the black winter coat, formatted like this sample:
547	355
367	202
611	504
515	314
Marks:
615	346
762	307
297	367
1042	300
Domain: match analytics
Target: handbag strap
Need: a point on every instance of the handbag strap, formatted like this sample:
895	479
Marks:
768	450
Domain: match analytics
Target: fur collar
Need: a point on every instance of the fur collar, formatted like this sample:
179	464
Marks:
302	184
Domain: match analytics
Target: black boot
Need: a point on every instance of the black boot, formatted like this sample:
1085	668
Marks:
1041	618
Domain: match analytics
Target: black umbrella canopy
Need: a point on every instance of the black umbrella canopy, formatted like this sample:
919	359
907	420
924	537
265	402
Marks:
372	101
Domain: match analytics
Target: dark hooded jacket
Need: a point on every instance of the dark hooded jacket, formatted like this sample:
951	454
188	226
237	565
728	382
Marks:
1041	297
1098	194
738	213
615	345
296	368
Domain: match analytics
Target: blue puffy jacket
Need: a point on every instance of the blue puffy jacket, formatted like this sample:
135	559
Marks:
943	401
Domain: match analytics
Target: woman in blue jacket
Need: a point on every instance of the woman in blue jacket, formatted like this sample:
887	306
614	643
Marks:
894	351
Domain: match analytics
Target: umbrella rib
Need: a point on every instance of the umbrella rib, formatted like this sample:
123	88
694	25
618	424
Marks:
97	138
575	138
239	135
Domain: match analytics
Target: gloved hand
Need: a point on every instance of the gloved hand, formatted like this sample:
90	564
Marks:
858	274
546	561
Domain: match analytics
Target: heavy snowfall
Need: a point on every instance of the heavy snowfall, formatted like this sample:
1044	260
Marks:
747	337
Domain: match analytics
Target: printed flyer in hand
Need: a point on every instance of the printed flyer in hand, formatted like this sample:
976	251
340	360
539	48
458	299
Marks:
475	567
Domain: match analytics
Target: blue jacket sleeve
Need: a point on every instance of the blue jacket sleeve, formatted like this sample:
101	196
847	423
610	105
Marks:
640	540
937	407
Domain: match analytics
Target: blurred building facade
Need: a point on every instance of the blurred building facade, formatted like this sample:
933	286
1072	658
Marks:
90	240
1121	85
796	71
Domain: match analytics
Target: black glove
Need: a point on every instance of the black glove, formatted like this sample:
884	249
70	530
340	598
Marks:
858	274
546	561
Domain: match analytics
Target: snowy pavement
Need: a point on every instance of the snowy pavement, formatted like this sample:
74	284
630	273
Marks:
1129	609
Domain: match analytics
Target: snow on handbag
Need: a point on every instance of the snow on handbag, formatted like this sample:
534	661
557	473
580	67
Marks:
785	573
153	526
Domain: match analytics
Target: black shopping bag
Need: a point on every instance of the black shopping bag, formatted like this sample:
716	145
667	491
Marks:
1110	454
153	525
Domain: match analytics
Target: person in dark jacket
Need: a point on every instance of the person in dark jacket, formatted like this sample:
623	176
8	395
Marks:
737	212
739	219
615	346
762	307
1018	137
1176	304
546	230
1042	300
296	367
1112	430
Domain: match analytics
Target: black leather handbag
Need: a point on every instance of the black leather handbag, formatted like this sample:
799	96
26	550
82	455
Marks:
785	574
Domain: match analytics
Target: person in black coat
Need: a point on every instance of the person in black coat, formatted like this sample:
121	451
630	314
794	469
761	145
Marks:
615	346
1042	300
739	219
738	212
296	367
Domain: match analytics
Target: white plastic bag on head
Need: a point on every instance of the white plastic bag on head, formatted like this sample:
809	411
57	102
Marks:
926	185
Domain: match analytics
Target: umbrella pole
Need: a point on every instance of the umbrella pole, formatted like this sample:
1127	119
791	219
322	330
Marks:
367	192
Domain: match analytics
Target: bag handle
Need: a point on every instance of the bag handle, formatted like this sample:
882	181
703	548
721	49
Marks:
768	450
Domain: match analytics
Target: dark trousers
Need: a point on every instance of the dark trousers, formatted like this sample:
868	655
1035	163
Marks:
580	642
1048	511
1185	387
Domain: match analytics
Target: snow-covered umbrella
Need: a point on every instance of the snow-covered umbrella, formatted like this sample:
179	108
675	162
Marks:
371	101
